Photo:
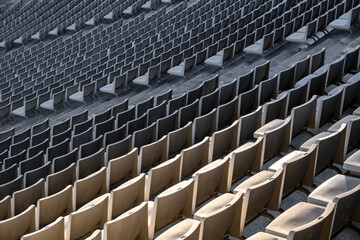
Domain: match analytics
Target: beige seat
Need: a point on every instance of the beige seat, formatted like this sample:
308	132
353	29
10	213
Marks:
176	201
127	196
264	236
299	168
352	163
179	139
263	190
211	179
330	147
163	176
249	123
85	220
97	235
122	168
342	190
23	223
131	225
304	221
246	158
276	136
224	141
152	154
194	157
53	231
59	180
188	229
90	164
51	207
221	216
22	199
5	208
89	188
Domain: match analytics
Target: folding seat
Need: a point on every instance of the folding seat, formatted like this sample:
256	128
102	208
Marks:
119	81
28	105
13	228
351	95
316	83
261	44
188	229
144	136
275	109
90	164
163	211
55	230
60	127
15	148
5	208
188	113
32	176
82	127
90	148
8	174
303	34
228	91
125	116
210	85
85	220
61	179
57	150
296	97
276	136
287	78
121	107
143	106
330	147
328	108
134	220
9	161
5	144
40	127
89	188
347	19
22	136
352	60
86	91
167	124
156	112
261	72
268	89
40	137
119	148
204	126
7	133
303	116
195	93
152	154
335	71
304	220
248	101
215	176
22	199
352	164
81	138
101	117
220	57
79	118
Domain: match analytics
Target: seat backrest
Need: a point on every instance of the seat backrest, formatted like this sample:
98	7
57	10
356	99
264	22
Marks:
125	116
81	138
81	117
90	164
248	101
5	208
104	127
111	136
90	148
261	72
167	124
268	89
59	180
188	113
132	224
122	168
174	201
317	60
86	220
211	178
142	107
163	176
224	141
10	187
276	109
57	150
287	79
246	82
23	223
55	230
152	154
56	205
303	116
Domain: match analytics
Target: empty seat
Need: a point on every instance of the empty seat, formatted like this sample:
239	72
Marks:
221	216
345	21
90	164
261	72
40	127
211	179
163	176
188	113
167	124
5	208
52	207
260	45
31	177
10	187
119	148
248	101
57	150
55	231
352	128
249	123
81	138
221	56
187	229
330	147
204	126
130	225
152	154
23	223
303	116
342	190
352	163
275	109
163	209
59	180
276	137
224	141
84	221
304	220
122	168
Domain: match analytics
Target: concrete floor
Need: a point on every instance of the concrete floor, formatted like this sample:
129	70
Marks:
336	43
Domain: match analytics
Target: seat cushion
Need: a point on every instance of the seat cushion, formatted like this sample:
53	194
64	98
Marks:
177	70
215	205
79	96
49	104
178	231
253	180
331	188
296	216
314	140
214	60
279	163
108	88
142	80
352	163
268	127
336	126
19	111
